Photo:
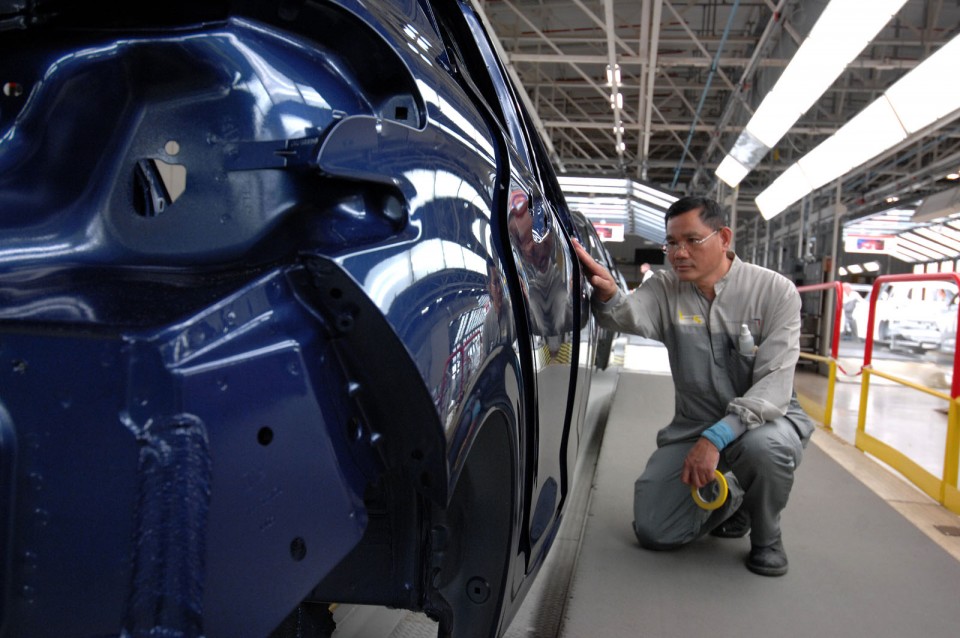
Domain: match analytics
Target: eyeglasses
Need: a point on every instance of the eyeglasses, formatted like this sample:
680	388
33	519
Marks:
691	244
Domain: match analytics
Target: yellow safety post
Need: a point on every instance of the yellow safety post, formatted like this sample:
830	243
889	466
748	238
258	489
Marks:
862	412
951	458
932	486
831	385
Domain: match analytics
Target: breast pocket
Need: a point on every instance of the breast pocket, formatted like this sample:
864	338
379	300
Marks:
740	370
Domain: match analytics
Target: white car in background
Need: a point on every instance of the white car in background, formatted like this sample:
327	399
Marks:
948	326
910	315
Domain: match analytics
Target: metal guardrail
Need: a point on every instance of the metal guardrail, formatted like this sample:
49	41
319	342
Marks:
944	488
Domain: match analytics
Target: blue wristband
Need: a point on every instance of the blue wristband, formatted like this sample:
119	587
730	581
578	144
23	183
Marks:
719	434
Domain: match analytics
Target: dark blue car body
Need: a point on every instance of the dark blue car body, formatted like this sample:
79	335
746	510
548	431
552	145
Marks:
289	315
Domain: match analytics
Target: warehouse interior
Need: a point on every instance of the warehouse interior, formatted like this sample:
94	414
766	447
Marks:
643	101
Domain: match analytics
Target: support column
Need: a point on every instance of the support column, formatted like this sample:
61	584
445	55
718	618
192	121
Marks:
804	214
826	332
733	215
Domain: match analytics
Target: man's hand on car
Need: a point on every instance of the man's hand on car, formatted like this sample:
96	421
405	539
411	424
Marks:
604	286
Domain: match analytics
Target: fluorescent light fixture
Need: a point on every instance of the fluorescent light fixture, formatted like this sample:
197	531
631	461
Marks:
939	247
811	71
872	266
855	269
878	127
869	133
604	185
953	176
928	255
748	150
907	255
945	233
841	32
786	189
872	131
613	74
842	271
615	186
731	171
924	95
617	200
773	118
854	20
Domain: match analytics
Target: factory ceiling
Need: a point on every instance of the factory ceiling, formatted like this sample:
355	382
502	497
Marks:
691	75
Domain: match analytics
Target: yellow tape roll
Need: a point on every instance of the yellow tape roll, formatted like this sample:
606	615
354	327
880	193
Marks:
721	497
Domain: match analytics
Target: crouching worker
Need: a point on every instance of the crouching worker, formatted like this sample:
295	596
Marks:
735	405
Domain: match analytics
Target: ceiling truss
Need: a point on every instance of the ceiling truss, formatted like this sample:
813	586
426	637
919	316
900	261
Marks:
691	75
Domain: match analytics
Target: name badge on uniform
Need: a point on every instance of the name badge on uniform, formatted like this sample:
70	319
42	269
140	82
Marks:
691	319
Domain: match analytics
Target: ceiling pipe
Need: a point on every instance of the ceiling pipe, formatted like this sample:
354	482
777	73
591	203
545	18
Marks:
736	97
706	89
645	71
651	76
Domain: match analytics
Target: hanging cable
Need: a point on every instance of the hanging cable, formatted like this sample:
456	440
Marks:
706	89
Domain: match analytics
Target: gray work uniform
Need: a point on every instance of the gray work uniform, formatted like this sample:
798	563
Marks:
753	393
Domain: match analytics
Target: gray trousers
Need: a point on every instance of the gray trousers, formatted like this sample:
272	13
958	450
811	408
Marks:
759	468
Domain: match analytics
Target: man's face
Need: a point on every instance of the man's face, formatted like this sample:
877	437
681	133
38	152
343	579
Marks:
692	261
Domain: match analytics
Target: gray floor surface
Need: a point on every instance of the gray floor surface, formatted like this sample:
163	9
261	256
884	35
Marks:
857	567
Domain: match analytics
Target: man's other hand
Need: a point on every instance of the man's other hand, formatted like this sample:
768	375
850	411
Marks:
604	285
700	464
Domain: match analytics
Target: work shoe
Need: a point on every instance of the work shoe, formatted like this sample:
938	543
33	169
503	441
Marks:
768	561
736	526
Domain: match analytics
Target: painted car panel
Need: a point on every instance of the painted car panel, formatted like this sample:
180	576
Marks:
260	296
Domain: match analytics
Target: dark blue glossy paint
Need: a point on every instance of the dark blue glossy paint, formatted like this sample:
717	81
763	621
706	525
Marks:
266	274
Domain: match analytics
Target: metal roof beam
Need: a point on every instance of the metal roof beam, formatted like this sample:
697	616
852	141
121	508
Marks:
671	61
553	46
678	126
609	31
696	40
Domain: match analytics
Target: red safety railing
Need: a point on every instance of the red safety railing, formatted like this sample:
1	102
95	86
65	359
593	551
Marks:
943	488
871	317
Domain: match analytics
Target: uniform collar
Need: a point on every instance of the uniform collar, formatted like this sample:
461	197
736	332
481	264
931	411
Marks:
735	265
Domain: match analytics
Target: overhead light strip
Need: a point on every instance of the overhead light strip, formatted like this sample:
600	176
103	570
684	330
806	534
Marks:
917	100
919	248
903	255
840	34
947	252
940	237
947	231
914	255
